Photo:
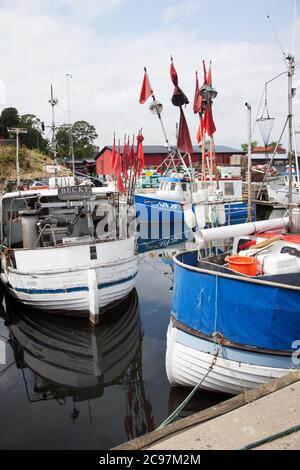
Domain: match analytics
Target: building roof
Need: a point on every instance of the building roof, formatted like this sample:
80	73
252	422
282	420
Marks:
268	149
162	150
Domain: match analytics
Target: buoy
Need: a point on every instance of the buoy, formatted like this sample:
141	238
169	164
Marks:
243	264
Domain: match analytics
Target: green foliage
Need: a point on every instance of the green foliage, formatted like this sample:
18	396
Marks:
84	135
9	118
34	138
244	147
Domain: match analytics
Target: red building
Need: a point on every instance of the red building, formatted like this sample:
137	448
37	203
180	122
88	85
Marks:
156	154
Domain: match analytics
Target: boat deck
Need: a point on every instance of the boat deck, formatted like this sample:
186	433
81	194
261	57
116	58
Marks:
247	419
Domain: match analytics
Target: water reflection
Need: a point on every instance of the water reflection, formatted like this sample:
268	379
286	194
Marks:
67	358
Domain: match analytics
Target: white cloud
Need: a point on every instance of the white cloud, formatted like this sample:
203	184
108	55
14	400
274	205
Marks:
185	9
108	69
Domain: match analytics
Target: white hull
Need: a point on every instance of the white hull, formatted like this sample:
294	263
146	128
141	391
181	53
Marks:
66	279
186	365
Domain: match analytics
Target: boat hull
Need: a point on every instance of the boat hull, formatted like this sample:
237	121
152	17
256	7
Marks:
257	321
162	218
73	283
189	357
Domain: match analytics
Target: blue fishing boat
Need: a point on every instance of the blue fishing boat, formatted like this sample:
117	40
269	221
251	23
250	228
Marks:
249	322
163	214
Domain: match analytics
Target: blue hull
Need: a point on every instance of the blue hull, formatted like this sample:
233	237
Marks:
155	213
248	312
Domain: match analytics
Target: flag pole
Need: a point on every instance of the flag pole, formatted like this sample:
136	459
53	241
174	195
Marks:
170	150
158	113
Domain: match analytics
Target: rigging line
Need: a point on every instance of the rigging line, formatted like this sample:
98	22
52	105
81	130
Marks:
6	369
278	40
294	26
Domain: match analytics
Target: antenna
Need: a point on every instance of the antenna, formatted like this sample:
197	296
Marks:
53	102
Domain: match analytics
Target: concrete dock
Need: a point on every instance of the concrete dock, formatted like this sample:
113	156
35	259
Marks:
270	413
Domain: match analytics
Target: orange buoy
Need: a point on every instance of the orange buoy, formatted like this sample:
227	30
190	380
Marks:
243	264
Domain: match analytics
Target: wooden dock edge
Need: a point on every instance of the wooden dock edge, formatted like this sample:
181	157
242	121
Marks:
143	442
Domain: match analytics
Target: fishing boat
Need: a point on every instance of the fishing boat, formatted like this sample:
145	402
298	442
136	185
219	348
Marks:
68	249
235	319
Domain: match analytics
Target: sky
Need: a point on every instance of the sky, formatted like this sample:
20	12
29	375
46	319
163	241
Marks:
105	44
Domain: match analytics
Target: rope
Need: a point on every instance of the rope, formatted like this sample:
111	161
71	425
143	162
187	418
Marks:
271	438
175	413
6	369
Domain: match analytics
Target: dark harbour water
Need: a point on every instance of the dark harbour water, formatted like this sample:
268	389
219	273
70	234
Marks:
72	387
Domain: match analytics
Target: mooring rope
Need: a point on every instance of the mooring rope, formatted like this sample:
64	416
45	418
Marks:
271	438
175	413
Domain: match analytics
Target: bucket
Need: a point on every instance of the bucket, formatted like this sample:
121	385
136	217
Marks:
243	264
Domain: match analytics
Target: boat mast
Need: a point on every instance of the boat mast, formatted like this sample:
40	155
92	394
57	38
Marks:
71	142
291	93
53	102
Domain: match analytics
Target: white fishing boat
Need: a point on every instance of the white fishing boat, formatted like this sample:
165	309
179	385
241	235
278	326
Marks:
68	249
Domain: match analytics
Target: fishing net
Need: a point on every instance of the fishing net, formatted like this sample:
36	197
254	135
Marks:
265	125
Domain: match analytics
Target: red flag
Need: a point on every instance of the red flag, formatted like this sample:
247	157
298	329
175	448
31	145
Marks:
205	73
209	76
208	121
132	155
125	159
140	153
146	90
113	156
184	142
174	76
118	172
200	131
198	98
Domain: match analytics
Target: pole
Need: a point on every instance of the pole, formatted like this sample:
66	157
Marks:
249	161
17	161
17	131
291	69
71	142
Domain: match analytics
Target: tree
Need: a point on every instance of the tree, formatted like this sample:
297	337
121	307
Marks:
9	118
84	135
34	138
245	146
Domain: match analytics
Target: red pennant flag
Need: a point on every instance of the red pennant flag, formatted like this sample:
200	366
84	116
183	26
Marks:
208	121
132	155
140	153
125	159
198	98
184	142
174	76
200	131
113	155
205	73
146	90
209	76
118	172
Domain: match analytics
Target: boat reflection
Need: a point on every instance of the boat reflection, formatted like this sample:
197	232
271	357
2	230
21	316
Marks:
67	357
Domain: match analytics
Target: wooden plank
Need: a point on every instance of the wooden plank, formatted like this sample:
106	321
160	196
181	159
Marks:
248	396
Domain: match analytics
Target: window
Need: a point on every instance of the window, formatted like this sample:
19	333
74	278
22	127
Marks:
183	186
229	189
173	187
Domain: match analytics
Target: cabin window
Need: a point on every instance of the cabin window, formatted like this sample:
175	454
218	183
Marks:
173	187
183	186
229	189
93	253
